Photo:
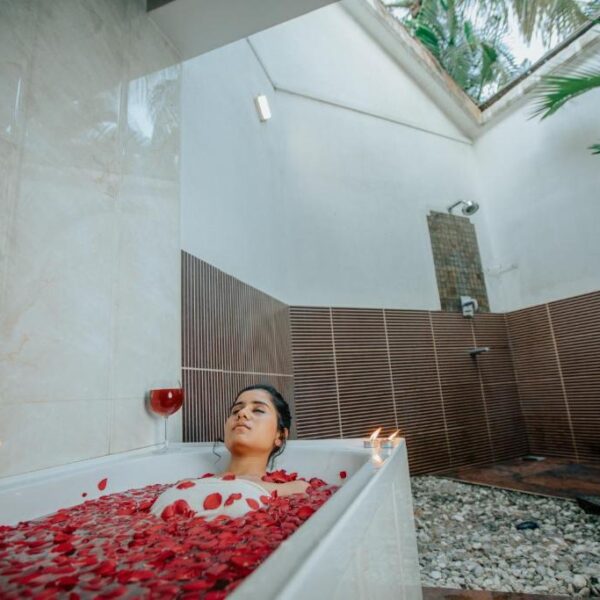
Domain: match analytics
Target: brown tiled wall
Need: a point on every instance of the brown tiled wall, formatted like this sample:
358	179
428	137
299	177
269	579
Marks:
457	262
233	335
358	369
556	351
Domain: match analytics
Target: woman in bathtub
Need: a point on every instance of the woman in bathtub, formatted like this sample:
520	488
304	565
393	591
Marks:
255	432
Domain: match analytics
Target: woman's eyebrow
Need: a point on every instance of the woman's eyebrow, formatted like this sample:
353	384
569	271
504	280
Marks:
243	403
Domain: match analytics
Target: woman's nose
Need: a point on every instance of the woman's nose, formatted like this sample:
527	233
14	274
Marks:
243	413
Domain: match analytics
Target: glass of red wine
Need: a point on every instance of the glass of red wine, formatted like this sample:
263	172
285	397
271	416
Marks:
165	402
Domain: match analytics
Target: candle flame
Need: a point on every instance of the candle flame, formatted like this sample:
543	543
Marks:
374	435
393	436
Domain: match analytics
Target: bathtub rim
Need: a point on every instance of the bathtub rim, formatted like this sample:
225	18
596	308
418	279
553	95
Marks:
313	534
37	477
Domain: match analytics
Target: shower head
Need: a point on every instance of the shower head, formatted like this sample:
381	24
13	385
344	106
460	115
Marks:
469	207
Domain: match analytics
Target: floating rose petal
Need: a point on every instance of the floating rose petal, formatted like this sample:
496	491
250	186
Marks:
305	511
183	508
197	586
67	583
184	485
228	477
102	484
207	475
212	501
232	498
343	474
64	548
252	503
167	512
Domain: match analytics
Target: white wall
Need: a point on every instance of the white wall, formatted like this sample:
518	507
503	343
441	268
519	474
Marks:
89	229
325	204
540	197
231	181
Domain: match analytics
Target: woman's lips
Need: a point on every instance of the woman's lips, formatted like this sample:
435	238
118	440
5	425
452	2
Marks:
241	426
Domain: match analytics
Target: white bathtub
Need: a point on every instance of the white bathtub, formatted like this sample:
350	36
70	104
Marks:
360	544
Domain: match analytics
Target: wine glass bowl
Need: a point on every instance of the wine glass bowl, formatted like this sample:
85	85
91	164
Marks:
165	402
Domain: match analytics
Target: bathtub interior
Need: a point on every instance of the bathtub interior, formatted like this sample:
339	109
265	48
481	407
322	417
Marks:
360	541
34	495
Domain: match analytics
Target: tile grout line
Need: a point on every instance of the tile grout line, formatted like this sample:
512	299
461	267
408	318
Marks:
481	387
514	366
389	357
337	385
439	379
562	382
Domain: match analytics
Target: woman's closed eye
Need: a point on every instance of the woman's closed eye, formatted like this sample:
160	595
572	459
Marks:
256	410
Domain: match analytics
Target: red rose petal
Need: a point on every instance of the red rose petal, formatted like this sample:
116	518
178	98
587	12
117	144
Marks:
265	499
183	508
244	560
83	494
207	475
215	595
343	474
184	485
228	477
64	548
197	586
168	512
67	583
305	511
252	503
134	576
212	501
102	484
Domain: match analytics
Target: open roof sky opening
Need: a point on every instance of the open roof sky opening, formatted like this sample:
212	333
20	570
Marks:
485	45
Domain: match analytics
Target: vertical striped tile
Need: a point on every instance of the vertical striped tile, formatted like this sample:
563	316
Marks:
232	335
315	388
462	395
539	381
576	327
363	375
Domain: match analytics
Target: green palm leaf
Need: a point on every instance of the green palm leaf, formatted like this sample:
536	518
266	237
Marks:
555	91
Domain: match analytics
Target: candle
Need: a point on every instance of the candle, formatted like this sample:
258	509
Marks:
372	442
392	441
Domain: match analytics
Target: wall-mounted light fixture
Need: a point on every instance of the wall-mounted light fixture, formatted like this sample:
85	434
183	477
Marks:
262	107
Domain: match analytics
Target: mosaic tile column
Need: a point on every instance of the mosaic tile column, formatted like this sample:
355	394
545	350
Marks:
457	262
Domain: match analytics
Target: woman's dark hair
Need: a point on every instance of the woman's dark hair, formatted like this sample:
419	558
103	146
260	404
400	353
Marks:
282	408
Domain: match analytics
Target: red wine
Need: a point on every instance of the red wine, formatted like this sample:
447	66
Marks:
165	402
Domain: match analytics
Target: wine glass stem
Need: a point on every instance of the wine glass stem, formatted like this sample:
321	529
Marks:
166	436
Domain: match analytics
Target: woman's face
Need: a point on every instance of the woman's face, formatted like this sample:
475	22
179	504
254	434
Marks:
251	427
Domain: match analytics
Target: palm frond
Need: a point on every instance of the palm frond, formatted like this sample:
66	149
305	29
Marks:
549	18
556	90
595	149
